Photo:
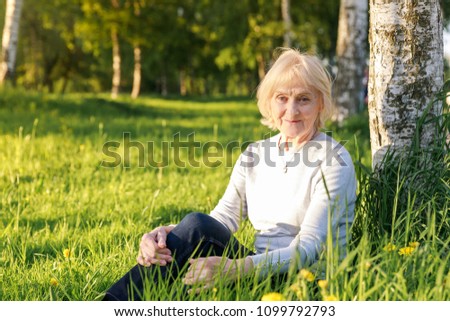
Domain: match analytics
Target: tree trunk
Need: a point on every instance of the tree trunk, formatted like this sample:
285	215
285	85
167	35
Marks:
182	79
261	66
164	87
137	73
116	63
406	70
64	85
351	53
115	55
49	66
286	15
10	39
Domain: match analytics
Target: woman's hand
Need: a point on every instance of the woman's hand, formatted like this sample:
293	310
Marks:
205	270
152	249
202	270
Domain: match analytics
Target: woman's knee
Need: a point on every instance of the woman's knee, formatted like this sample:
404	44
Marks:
202	224
196	219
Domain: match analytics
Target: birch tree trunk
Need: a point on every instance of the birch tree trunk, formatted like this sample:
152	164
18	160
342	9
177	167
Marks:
351	53
137	73
406	70
116	63
10	39
115	55
286	15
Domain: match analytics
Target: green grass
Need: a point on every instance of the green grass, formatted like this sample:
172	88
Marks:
56	196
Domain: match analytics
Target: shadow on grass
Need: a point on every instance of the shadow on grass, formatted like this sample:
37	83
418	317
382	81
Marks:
81	116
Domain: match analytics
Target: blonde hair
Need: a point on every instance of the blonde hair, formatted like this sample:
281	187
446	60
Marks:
290	67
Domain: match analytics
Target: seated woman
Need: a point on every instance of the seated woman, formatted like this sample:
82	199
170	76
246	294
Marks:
288	186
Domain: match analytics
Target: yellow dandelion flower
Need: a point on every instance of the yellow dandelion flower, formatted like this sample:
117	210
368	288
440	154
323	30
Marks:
53	282
272	296
390	247
214	290
296	289
67	253
330	297
406	250
323	284
414	244
307	275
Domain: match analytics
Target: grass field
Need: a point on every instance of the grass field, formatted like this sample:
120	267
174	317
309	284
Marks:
70	227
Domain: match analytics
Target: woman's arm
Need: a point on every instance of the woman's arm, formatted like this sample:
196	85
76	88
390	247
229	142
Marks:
232	207
203	271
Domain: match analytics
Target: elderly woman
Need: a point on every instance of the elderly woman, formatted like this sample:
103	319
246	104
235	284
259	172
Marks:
291	187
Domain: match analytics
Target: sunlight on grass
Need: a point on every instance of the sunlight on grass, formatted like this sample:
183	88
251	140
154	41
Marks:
70	228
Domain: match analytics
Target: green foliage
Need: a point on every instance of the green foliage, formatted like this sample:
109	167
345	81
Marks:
49	51
213	47
445	5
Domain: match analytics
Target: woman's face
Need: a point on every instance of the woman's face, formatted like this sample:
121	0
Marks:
295	110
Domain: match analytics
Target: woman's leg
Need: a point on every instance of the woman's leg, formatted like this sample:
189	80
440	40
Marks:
197	235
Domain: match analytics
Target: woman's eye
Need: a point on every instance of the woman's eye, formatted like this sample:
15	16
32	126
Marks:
282	98
303	99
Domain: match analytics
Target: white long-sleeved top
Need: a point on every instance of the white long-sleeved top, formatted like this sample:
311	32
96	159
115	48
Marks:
289	206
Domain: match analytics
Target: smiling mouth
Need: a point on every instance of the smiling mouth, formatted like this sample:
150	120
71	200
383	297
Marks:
292	121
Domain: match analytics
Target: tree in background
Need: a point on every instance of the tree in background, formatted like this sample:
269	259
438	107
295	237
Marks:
188	47
265	33
286	15
406	71
351	55
50	52
9	39
115	44
315	26
102	26
136	7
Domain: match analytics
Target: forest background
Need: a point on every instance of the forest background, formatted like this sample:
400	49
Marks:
185	47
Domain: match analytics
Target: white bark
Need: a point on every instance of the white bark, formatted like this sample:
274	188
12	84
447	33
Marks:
10	38
406	70
116	63
115	54
286	15
351	52
137	73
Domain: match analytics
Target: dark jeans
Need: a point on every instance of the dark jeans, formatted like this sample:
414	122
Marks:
197	235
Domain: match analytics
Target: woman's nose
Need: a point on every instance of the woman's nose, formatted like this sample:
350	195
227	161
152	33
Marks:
292	108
